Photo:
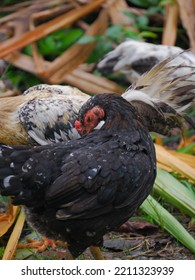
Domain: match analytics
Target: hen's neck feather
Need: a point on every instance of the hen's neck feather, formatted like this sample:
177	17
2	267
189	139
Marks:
122	115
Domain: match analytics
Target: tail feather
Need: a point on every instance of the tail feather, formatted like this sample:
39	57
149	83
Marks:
10	183
170	83
18	174
163	94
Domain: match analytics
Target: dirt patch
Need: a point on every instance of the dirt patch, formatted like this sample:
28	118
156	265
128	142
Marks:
123	246
159	246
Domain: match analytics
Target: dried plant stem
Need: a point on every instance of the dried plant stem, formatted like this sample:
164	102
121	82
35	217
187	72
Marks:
170	27
13	240
44	29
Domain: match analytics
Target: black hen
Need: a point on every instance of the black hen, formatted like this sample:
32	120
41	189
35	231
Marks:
81	189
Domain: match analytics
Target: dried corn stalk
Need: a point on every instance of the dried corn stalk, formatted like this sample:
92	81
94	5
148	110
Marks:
64	69
187	14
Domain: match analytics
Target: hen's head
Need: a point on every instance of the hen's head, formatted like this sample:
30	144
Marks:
108	107
89	117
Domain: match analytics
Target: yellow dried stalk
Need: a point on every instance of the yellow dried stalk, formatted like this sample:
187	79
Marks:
116	10
176	164
187	158
13	240
91	83
78	78
32	7
187	15
170	28
164	167
77	54
6	224
44	29
23	62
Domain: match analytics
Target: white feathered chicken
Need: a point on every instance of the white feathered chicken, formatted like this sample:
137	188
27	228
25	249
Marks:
42	115
133	58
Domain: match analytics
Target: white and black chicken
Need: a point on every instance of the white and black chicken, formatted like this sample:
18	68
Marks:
134	58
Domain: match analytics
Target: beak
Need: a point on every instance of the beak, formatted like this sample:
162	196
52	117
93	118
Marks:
80	128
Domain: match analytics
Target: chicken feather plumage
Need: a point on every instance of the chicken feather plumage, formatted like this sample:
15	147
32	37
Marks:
77	180
45	113
78	190
134	58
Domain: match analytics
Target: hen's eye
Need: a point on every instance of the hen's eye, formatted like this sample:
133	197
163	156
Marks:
89	119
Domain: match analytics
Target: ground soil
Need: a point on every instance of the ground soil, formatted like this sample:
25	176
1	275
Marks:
157	245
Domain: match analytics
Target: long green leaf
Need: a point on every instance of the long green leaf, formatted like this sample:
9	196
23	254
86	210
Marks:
168	222
175	192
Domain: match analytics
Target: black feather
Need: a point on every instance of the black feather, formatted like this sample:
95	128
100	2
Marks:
73	190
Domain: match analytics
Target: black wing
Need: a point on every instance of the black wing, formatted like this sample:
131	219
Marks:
99	178
82	178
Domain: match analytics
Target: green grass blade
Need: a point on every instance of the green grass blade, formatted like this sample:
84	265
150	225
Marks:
175	192
168	222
